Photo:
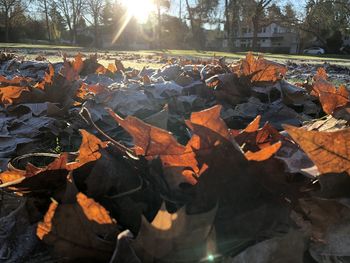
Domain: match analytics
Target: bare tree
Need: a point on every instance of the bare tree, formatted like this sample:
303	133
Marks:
44	7
11	10
72	12
95	8
160	4
258	15
199	14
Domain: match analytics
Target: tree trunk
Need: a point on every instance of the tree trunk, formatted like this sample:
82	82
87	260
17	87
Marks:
227	22
193	26
47	20
7	25
256	26
159	30
96	33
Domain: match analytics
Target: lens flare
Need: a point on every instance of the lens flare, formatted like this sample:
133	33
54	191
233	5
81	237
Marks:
140	9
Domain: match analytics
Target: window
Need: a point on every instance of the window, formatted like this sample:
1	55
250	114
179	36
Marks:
275	30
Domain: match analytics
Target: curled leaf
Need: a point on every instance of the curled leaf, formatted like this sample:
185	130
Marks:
89	150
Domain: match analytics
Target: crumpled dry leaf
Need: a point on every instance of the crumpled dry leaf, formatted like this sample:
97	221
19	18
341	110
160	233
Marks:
258	144
48	78
81	223
53	175
88	151
177	236
330	97
260	69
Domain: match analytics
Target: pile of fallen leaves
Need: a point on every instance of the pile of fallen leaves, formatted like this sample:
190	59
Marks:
197	161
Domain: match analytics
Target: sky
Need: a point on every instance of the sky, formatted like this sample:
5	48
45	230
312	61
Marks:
174	8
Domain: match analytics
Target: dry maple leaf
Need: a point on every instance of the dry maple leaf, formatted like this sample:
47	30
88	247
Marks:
72	70
110	68
85	89
263	154
209	131
48	78
259	144
330	97
329	151
89	150
10	93
260	69
78	63
175	235
35	178
79	229
321	74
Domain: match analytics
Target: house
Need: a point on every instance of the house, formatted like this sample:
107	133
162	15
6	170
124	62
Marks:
271	38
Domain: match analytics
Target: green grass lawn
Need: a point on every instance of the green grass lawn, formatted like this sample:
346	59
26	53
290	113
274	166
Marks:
37	46
239	55
312	59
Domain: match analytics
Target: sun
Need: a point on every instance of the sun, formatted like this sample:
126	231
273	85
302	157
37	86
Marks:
140	9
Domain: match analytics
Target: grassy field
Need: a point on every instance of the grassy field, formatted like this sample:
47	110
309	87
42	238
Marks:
53	52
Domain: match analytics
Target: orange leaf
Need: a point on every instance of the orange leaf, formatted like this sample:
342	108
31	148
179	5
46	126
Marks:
260	69
35	178
329	151
78	63
264	154
112	68
321	74
83	224
48	78
254	125
211	120
85	89
330	97
9	93
88	151
149	141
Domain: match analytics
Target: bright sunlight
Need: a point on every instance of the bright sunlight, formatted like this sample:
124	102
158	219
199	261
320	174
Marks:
140	9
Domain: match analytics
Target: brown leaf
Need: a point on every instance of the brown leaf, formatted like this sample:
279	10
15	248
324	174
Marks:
78	63
48	78
85	89
260	69
321	74
259	144
35	178
88	151
146	80
79	229
119	65
328	150
330	97
177	236
16	81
